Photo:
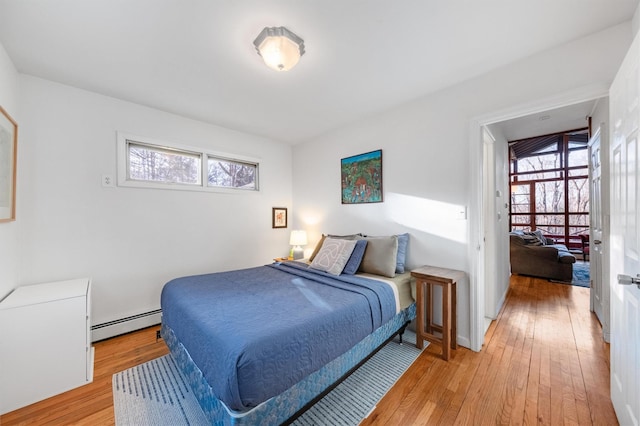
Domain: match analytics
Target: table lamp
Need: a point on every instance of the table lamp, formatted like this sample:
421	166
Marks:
298	239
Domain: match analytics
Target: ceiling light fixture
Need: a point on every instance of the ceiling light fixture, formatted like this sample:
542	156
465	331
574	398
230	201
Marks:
280	48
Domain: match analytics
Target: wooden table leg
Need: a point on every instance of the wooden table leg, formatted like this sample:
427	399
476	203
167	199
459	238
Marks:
419	314
428	304
446	323
454	317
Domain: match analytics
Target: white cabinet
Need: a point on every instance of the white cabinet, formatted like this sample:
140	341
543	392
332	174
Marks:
45	341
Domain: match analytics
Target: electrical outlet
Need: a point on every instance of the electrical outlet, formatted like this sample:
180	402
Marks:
107	181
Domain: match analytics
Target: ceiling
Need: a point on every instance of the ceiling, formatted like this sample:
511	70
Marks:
195	58
571	117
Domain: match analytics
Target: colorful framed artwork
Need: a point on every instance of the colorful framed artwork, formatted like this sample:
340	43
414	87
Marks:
279	217
8	157
361	178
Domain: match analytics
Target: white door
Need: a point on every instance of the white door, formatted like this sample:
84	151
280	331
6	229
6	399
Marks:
625	238
599	282
489	228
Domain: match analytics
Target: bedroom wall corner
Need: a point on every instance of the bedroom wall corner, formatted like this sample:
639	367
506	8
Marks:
426	159
9	231
131	241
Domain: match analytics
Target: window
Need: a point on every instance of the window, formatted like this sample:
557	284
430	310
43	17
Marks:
153	164
231	173
157	164
550	187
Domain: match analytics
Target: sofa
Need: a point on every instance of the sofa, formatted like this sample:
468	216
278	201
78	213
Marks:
533	254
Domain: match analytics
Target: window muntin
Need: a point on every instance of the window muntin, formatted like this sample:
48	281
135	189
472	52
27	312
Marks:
557	174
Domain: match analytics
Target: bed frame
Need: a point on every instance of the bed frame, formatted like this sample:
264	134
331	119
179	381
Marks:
301	411
293	402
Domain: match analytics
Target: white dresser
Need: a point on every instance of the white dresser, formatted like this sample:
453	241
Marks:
45	341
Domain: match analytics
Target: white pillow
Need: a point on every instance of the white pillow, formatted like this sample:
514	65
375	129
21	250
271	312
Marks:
333	255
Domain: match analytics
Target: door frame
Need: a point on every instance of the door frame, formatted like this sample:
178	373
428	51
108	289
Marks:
477	208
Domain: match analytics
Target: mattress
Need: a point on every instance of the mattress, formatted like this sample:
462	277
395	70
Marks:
283	407
403	283
256	332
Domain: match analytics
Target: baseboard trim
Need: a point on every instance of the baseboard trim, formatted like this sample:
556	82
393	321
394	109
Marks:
125	325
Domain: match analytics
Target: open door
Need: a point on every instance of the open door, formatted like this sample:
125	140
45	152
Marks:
598	218
625	239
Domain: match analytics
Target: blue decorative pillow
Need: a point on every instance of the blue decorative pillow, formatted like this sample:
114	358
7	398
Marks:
356	258
403	242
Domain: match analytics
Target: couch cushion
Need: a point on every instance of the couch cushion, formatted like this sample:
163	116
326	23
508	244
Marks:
516	239
532	239
539	235
566	257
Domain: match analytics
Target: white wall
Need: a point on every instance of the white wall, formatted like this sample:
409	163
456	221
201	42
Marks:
129	240
9	230
426	155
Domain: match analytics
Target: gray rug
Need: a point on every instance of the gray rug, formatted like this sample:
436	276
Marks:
156	393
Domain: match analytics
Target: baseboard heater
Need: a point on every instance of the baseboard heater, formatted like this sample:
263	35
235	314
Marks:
125	325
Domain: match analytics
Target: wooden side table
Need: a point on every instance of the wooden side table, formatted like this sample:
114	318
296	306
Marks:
427	277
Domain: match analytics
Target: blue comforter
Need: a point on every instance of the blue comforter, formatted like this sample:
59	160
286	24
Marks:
256	332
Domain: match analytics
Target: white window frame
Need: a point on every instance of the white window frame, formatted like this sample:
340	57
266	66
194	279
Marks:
122	150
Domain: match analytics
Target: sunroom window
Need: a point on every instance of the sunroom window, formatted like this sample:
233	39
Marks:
550	186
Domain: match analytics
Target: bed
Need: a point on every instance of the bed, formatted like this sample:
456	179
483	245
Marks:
259	345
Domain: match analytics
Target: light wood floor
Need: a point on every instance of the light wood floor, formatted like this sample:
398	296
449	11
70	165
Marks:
543	362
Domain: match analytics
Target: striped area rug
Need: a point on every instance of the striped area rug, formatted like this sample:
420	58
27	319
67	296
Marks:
156	393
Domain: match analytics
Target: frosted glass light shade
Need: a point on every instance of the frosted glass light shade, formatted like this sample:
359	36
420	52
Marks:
280	48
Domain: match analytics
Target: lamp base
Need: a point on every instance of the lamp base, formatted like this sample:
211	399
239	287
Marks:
297	253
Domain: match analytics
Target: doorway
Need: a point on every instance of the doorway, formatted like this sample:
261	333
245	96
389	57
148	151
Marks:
539	119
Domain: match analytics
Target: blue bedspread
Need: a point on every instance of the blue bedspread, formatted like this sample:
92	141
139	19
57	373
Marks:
256	332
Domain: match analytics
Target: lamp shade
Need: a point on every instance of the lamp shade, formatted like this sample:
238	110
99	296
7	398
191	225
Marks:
298	238
280	48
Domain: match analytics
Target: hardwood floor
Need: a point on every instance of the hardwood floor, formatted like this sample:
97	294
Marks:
543	362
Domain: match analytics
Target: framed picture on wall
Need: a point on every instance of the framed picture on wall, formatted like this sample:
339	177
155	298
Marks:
361	178
279	217
8	156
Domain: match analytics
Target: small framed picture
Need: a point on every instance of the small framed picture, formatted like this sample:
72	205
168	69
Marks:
279	217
